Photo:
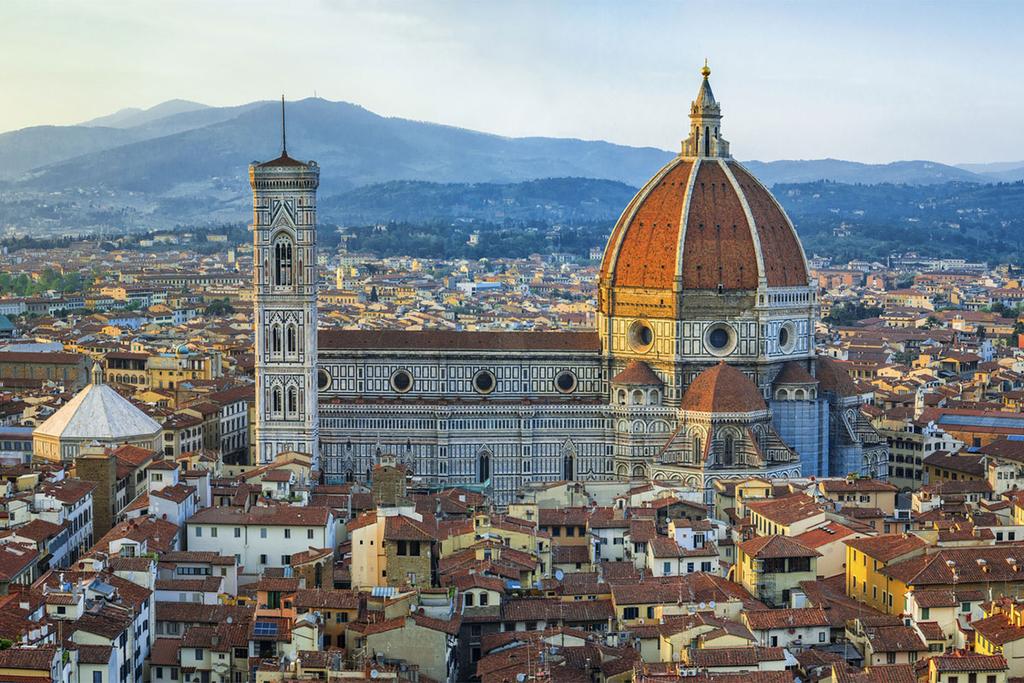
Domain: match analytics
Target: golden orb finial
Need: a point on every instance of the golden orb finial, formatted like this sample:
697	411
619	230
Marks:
705	70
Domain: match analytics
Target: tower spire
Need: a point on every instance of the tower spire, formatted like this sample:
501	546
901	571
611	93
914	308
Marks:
705	121
284	137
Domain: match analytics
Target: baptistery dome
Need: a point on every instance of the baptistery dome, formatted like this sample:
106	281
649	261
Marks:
704	265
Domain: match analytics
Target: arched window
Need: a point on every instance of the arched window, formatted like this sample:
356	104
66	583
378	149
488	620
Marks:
318	575
275	338
291	335
484	468
638	397
283	261
707	142
622	397
293	401
276	400
698	449
568	467
730	450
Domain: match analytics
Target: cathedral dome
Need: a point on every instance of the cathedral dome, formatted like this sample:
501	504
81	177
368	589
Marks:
706	224
722	389
703	222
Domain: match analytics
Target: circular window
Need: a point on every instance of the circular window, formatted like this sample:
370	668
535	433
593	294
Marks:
641	336
565	382
483	382
720	339
787	338
401	381
323	379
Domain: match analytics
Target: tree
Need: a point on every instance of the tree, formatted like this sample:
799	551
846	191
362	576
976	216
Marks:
219	308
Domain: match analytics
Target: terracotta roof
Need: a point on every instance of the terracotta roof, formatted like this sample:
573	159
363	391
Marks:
320	598
962	661
28	658
823	535
785	509
283	160
794	373
856	486
639	373
895	638
766	547
998	629
833	377
887	547
722	389
274	515
730	657
931	630
762	620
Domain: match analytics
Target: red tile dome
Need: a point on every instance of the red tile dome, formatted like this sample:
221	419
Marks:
703	222
706	222
722	389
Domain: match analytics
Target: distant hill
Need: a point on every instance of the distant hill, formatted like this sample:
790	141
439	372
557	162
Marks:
133	116
852	172
553	200
1004	171
353	146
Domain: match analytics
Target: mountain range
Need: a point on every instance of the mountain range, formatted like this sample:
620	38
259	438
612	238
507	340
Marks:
182	161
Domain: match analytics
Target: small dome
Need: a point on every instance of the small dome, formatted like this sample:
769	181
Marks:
722	389
834	378
638	373
794	373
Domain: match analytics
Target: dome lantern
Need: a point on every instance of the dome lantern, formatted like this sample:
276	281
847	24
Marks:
705	123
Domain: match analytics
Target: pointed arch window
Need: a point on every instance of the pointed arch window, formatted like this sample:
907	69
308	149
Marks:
698	448
276	402
283	261
484	469
293	401
275	338
291	336
730	449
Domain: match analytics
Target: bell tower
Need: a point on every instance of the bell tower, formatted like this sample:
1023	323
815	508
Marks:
284	300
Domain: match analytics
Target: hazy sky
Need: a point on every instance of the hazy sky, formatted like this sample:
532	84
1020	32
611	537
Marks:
870	81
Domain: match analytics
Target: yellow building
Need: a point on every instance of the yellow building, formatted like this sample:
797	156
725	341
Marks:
789	515
1001	632
866	557
963	666
860	493
771	567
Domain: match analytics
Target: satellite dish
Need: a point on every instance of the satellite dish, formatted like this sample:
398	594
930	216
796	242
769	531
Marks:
559	574
374	673
520	677
230	619
703	605
711	604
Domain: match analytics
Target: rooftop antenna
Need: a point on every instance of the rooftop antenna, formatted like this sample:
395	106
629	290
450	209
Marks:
284	138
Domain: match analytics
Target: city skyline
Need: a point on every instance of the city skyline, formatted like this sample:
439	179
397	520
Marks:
827	81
